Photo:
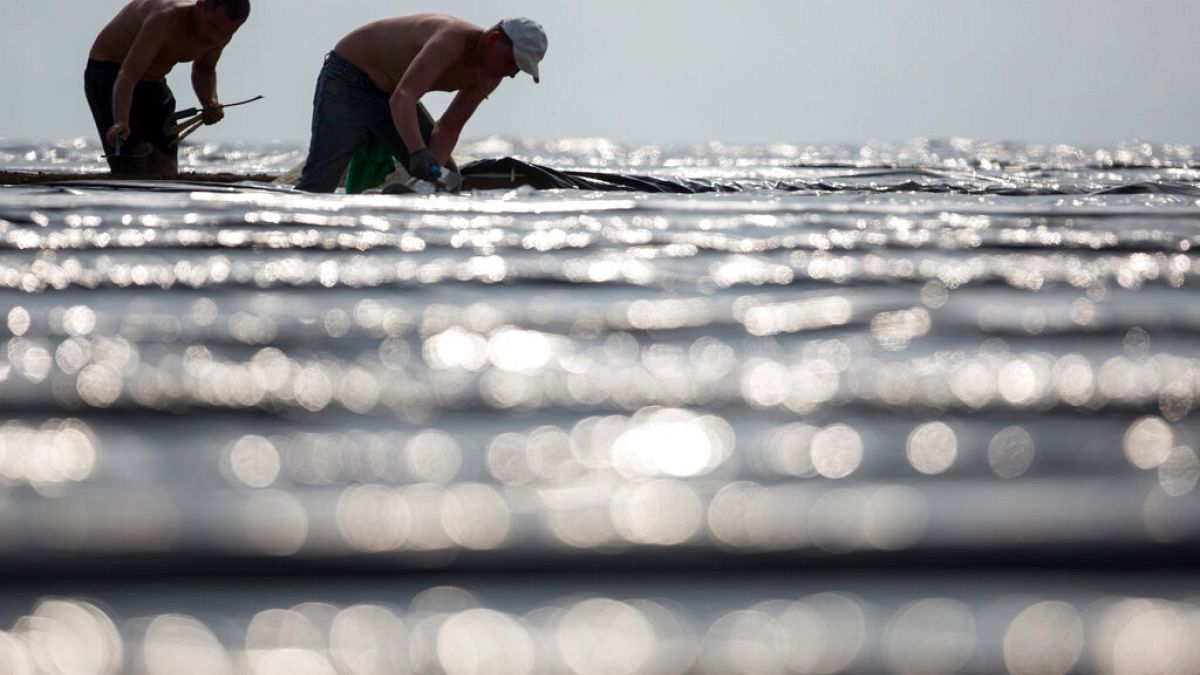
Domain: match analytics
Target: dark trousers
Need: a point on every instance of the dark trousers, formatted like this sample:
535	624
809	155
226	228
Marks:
346	107
145	152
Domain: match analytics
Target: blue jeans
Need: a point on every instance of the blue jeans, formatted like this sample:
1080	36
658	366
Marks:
346	107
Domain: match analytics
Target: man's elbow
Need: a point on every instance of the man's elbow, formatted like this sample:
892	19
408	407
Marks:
403	99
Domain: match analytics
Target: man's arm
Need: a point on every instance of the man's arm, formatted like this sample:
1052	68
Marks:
438	54
450	126
145	47
204	82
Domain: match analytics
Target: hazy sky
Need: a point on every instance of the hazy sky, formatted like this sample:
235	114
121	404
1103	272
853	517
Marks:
1076	71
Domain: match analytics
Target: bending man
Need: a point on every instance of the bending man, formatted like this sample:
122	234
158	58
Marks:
373	80
125	80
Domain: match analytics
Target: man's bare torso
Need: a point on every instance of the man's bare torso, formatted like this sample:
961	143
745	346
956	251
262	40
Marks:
384	49
183	46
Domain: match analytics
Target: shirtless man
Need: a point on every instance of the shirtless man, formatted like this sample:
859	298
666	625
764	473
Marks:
373	80
125	80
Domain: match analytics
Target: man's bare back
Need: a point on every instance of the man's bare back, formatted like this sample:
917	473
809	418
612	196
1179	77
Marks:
183	40
385	49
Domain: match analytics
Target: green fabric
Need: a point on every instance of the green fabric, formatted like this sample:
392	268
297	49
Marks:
369	167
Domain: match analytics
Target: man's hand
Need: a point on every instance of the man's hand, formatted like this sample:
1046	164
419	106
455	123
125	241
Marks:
117	134
422	164
212	115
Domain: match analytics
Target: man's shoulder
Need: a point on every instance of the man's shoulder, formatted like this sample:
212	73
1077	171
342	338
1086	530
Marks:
164	12
449	35
441	24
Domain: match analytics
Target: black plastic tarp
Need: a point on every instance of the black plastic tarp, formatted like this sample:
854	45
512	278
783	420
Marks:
507	172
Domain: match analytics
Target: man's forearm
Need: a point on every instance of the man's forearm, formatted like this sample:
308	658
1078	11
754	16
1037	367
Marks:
204	82
442	143
122	98
404	117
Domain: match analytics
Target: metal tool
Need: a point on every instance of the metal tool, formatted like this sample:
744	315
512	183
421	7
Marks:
185	131
117	154
173	123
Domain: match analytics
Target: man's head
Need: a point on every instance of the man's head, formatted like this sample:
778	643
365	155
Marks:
218	20
528	43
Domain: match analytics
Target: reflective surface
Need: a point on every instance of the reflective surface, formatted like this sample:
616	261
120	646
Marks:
448	629
922	416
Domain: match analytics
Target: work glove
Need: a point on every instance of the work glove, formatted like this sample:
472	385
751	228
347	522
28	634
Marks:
422	164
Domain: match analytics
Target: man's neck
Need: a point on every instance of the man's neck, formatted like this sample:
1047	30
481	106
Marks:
472	54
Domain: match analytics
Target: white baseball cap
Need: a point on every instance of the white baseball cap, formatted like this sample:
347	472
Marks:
529	43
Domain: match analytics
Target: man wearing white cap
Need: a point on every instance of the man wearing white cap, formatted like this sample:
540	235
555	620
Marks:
373	80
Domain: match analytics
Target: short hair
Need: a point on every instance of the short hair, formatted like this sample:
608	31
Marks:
236	10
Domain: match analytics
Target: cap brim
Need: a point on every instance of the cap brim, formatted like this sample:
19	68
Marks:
528	65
